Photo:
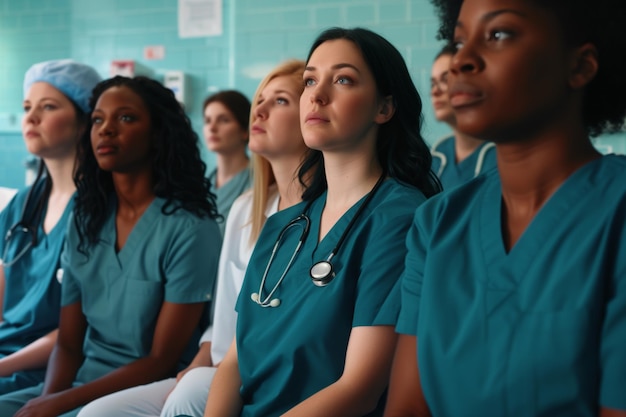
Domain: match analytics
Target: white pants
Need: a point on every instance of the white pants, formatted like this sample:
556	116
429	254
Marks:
164	398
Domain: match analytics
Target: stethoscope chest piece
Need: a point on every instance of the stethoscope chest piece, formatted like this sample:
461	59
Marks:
322	273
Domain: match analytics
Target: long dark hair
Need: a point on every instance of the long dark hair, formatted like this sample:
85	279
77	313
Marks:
178	170
401	150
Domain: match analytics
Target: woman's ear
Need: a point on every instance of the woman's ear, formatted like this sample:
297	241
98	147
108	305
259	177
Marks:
386	110
584	66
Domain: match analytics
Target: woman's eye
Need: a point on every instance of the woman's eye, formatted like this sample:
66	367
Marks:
344	80
309	82
499	35
26	109
96	120
48	107
126	118
281	100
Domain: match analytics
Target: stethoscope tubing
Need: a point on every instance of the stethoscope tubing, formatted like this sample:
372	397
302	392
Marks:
267	301
319	281
26	225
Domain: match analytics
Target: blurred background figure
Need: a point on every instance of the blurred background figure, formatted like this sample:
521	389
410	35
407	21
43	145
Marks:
457	158
226	118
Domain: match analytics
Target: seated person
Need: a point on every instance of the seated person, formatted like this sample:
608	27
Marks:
225	129
278	149
141	253
459	157
33	225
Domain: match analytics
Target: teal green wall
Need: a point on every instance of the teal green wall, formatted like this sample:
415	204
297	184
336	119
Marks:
30	31
257	35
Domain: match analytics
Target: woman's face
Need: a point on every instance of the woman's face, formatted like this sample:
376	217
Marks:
340	105
222	132
50	125
121	133
275	130
439	89
509	77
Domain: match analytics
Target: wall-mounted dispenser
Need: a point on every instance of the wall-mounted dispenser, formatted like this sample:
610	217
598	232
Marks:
177	82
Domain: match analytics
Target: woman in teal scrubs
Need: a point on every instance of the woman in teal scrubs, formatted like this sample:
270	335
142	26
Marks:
141	253
225	130
278	150
33	225
459	157
514	292
308	343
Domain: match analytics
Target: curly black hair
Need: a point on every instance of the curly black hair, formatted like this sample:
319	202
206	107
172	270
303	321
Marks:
599	22
402	152
178	170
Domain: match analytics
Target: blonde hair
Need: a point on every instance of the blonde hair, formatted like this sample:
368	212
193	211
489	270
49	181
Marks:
263	176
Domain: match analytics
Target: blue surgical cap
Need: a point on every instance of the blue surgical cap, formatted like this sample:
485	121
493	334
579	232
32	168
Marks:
73	79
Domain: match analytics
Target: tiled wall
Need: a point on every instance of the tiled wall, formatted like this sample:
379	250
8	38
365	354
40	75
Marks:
257	34
30	31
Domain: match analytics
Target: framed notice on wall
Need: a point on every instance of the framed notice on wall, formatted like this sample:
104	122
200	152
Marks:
197	18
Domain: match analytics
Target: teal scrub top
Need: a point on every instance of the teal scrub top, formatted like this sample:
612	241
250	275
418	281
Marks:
32	293
537	331
290	352
167	257
451	173
228	193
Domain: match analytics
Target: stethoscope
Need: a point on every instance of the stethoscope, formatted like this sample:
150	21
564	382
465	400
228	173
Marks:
444	160
322	272
26	226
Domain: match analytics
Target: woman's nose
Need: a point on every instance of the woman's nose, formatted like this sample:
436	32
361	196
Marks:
260	111
466	59
105	128
318	94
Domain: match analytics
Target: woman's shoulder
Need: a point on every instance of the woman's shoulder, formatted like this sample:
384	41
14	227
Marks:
173	214
607	178
458	201
241	210
610	168
6	195
399	196
17	198
444	142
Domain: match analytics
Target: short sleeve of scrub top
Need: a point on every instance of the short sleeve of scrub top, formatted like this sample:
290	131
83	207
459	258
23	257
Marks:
290	352
537	329
169	258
